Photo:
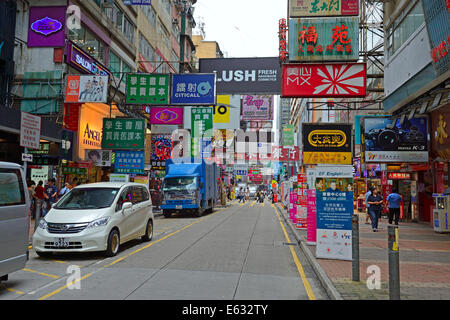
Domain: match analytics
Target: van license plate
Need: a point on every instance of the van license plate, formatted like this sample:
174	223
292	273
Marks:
178	207
61	243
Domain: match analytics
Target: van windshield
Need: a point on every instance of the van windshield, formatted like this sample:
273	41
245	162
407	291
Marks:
88	198
178	184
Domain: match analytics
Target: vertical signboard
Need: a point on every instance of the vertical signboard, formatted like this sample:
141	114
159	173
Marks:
30	130
161	150
288	135
334	205
201	127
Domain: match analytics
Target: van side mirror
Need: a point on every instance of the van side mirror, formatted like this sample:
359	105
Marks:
127	205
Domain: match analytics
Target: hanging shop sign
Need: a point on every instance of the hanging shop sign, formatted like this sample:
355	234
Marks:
440	132
83	62
201	127
46	27
137	2
145	88
84	88
123	134
67	146
339	80
257	107
327	143
405	142
320	8
324	39
282	30
288	135
280	153
221	112
129	162
166	116
193	89
245	75
399	176
334	210
100	158
30	130
161	150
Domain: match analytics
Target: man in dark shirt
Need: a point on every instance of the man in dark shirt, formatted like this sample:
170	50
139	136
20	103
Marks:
375	200
51	193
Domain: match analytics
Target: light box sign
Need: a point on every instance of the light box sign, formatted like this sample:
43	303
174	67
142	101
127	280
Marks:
324	39
256	107
86	89
84	62
46	27
130	162
337	80
320	8
137	2
193	89
171	116
123	134
148	89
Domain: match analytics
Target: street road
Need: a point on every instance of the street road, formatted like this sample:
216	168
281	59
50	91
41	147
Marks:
240	252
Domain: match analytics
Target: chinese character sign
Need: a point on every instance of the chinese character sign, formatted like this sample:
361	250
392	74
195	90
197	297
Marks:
201	126
282	30
161	150
257	107
193	89
30	131
123	134
320	8
148	89
324	39
129	162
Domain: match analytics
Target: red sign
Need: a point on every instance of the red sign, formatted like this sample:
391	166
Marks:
282	28
441	50
280	153
399	176
333	80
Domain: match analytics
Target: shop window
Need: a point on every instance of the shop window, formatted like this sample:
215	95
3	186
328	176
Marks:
87	41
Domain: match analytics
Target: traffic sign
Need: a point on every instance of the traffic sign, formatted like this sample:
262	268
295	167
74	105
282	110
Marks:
27	157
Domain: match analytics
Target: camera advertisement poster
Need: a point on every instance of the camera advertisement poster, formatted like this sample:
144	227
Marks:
334	210
402	142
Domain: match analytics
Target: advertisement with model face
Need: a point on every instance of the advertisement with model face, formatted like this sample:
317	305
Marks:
402	142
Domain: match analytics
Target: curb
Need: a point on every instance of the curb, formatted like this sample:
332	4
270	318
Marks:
326	282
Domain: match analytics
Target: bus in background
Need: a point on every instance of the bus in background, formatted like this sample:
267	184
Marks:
14	219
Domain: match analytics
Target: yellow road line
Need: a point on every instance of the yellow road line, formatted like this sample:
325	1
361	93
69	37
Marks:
262	204
41	273
63	287
306	284
15	291
253	203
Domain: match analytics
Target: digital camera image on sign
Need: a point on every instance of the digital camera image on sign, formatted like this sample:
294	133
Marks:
395	139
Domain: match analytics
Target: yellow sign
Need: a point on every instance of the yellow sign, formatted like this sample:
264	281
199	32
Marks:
327	157
90	128
327	138
222	109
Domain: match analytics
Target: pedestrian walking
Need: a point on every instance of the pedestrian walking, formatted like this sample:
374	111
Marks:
32	196
375	200
40	197
66	189
241	195
51	196
368	193
394	202
247	194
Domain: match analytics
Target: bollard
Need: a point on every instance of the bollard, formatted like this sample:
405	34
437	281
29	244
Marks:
394	263
38	213
355	247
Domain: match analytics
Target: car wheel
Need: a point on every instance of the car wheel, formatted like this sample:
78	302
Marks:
113	243
148	231
4	278
44	254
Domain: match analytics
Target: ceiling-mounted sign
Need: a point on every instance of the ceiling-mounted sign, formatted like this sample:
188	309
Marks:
324	39
145	88
319	8
46	27
245	75
193	89
336	80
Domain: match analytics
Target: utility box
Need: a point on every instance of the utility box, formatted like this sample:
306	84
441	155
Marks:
441	213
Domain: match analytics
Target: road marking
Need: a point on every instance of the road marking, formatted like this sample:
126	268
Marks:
41	273
253	203
306	284
14	291
63	287
262	204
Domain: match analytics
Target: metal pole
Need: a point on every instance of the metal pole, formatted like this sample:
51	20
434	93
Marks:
394	263
38	213
355	248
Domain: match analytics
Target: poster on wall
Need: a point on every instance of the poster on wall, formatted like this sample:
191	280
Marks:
161	151
334	210
402	142
84	88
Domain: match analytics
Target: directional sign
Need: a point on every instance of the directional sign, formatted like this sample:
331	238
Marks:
27	157
193	89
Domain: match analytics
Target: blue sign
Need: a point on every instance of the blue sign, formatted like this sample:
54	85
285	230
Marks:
334	210
193	89
130	162
137	2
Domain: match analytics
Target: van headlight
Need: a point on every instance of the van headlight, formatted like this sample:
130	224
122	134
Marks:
98	223
43	224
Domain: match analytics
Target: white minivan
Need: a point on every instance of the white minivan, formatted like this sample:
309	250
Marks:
14	219
96	217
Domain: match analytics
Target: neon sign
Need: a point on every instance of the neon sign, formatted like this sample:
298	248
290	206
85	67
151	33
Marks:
46	26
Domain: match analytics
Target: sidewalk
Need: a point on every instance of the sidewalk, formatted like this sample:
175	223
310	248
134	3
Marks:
424	262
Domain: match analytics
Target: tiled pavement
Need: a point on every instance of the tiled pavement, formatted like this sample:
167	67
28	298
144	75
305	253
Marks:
424	263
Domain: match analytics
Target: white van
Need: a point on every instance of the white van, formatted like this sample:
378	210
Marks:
14	220
96	217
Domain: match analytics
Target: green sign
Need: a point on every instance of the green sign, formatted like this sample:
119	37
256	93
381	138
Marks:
288	135
124	134
323	39
201	126
148	89
73	170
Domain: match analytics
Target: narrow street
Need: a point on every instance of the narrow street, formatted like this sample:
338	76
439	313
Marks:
242	252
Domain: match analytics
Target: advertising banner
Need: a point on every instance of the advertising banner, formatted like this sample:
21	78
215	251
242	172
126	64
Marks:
193	89
288	135
334	209
324	39
337	80
100	158
160	115
320	8
440	132
46	27
83	62
201	127
245	75
302	201
405	142
67	145
86	89
257	107
123	134
161	150
311	228
30	130
327	143
145	88
130	162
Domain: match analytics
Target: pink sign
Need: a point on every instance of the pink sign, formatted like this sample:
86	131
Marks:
257	107
311	216
169	115
293	207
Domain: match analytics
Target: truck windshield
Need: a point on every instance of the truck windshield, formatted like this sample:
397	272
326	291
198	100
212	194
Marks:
172	184
88	198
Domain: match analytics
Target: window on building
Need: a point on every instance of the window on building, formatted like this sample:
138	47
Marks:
87	41
163	34
150	14
146	49
117	66
119	19
174	62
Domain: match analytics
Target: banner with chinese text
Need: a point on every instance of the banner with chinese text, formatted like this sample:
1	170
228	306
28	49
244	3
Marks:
148	89
319	8
123	134
130	162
